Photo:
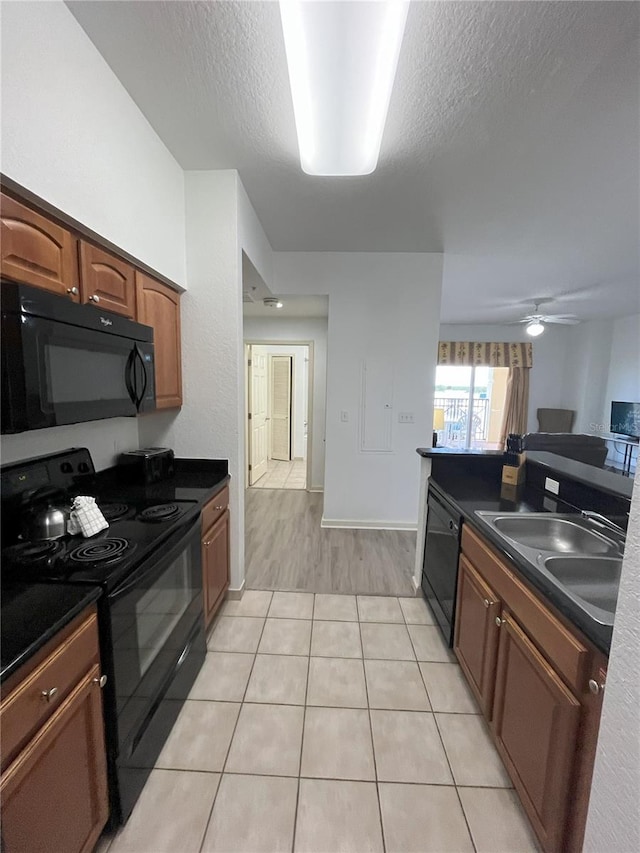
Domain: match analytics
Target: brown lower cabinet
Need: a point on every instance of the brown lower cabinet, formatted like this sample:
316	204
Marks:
215	553
54	781
530	672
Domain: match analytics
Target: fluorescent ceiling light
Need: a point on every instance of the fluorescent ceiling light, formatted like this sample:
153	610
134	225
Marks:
342	57
535	328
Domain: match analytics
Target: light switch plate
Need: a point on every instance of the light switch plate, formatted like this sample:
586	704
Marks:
406	418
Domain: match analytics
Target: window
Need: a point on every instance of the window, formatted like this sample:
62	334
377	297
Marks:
469	404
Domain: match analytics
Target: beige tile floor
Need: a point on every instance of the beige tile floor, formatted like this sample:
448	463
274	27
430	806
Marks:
284	475
327	723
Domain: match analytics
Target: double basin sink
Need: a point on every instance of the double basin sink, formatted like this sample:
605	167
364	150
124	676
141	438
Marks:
567	549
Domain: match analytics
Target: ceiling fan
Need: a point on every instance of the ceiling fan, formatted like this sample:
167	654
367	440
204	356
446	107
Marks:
537	321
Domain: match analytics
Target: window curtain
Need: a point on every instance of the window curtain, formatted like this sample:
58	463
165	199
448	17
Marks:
516	404
492	354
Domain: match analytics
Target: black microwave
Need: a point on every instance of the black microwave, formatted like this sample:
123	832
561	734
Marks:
63	363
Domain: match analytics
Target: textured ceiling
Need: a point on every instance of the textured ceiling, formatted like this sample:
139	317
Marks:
512	142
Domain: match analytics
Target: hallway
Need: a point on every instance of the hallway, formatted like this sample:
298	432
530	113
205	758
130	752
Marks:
286	549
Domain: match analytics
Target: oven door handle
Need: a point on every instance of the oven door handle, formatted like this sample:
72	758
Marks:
130	377
138	354
156	567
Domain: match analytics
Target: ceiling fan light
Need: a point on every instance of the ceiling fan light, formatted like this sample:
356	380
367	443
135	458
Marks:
535	328
272	302
342	60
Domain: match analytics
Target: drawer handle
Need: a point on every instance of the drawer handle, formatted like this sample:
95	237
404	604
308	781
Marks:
101	681
49	694
73	291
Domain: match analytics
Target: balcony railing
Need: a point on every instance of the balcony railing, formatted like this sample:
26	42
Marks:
456	420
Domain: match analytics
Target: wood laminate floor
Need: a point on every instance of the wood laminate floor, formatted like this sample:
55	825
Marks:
286	549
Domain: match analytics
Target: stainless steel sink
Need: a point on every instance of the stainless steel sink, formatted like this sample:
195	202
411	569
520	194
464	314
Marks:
549	533
593	579
578	560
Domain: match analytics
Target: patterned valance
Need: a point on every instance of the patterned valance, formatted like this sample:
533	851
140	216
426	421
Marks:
489	353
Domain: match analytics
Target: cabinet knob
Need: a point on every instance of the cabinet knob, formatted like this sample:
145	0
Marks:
218	508
93	298
101	681
488	603
49	694
595	687
499	621
73	291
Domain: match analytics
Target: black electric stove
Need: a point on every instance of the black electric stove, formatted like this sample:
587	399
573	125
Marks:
150	614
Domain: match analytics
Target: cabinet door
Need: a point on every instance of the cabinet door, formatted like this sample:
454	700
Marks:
54	795
36	251
535	722
106	281
159	306
215	565
476	633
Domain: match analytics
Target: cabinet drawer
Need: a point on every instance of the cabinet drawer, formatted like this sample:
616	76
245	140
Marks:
568	655
214	509
27	707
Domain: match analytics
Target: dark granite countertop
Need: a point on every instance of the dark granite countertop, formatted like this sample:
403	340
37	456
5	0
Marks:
596	478
34	613
435	452
468	494
194	480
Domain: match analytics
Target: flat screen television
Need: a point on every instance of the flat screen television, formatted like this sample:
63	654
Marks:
625	418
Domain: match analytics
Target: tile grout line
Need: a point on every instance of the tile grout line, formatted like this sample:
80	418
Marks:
226	757
373	748
304	720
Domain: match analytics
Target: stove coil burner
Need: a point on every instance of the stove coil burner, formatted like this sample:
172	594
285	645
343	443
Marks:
32	553
160	512
114	512
103	552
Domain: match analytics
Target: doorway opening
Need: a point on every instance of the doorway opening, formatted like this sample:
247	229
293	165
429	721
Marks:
278	414
468	405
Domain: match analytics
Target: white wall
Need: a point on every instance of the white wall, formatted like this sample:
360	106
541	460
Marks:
72	135
585	374
546	388
613	823
299	372
382	307
208	425
105	440
302	329
623	380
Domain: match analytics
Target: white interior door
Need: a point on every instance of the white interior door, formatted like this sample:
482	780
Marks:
258	385
281	366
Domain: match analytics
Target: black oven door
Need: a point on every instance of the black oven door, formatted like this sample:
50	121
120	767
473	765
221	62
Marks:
158	646
61	373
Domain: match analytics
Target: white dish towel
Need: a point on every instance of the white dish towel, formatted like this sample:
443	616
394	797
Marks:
86	517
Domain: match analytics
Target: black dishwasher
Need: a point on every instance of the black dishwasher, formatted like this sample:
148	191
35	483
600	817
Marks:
440	564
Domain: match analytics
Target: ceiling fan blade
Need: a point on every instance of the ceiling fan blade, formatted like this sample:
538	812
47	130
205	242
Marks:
565	321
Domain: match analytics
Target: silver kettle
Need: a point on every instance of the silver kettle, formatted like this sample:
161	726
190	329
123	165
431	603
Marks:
46	516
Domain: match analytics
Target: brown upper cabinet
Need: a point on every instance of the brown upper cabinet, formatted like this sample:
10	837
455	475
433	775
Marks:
159	306
37	251
107	281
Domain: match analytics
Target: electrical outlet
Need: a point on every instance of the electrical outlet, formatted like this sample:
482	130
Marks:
344	417
552	486
406	418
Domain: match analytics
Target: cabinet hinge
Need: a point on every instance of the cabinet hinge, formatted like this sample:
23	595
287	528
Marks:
249	415
250	467
249	362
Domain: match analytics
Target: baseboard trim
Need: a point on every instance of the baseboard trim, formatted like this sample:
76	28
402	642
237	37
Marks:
235	594
315	489
353	524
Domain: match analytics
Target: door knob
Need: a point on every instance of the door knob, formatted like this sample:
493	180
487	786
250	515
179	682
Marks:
94	298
